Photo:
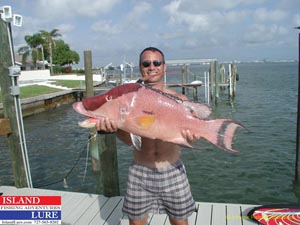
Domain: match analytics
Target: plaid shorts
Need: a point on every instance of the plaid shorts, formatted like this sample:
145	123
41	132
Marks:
158	190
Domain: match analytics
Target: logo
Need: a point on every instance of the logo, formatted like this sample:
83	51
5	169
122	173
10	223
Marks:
30	209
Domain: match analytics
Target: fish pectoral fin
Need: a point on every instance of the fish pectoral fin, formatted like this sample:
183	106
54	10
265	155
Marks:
136	141
145	122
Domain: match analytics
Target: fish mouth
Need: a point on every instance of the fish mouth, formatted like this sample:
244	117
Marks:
88	123
78	107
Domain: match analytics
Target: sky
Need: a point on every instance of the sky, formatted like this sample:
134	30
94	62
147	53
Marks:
118	30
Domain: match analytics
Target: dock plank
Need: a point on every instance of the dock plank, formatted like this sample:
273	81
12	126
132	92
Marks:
106	211
84	208
117	215
233	215
158	219
92	210
204	214
244	210
72	204
218	214
79	210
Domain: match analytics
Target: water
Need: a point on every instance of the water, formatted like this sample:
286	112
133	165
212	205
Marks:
262	173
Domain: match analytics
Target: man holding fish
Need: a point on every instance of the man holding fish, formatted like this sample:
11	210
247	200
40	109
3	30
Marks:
157	181
156	121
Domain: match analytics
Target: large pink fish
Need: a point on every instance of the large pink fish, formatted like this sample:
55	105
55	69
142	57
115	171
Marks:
147	112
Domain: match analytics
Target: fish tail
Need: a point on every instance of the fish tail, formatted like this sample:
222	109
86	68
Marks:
221	132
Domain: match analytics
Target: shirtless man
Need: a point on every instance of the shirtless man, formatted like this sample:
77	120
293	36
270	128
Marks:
157	181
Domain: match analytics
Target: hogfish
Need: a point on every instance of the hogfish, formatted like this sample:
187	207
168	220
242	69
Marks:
147	112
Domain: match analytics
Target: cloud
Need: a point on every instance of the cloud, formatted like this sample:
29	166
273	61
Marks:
65	28
264	15
170	36
105	26
260	33
202	6
74	8
208	21
296	20
132	20
139	10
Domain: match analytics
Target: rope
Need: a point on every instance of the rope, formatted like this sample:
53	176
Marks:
64	179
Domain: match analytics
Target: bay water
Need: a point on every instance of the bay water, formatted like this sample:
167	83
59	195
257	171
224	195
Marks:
262	173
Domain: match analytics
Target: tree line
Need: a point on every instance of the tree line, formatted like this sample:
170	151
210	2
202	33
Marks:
45	45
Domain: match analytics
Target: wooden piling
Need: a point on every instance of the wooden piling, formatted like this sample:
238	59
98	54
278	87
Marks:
195	93
187	77
214	90
183	79
9	109
222	77
216	82
4	127
107	148
297	163
88	73
109	164
232	80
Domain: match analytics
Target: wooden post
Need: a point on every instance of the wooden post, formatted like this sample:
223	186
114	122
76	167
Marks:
9	109
107	148
195	93
297	163
222	77
211	82
88	73
214	93
187	72
109	164
4	127
182	79
187	79
216	82
232	80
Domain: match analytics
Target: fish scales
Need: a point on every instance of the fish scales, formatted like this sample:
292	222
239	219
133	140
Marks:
147	112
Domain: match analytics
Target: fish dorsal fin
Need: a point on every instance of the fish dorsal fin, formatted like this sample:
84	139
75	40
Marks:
199	110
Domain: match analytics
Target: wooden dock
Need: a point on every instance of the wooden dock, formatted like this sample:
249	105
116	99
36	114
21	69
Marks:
83	208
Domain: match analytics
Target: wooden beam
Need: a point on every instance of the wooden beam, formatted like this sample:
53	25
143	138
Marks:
4	126
9	110
88	73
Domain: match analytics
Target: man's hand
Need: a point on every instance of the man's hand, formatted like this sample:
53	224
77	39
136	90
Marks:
107	125
189	136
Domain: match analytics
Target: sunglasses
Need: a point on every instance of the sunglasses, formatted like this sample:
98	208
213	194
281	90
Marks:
147	63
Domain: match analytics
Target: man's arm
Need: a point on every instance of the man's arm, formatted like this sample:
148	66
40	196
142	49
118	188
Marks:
107	125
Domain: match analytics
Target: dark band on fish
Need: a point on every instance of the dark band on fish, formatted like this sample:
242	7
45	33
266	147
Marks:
221	134
142	82
170	96
95	102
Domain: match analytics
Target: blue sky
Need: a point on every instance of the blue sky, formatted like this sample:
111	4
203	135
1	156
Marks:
115	30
